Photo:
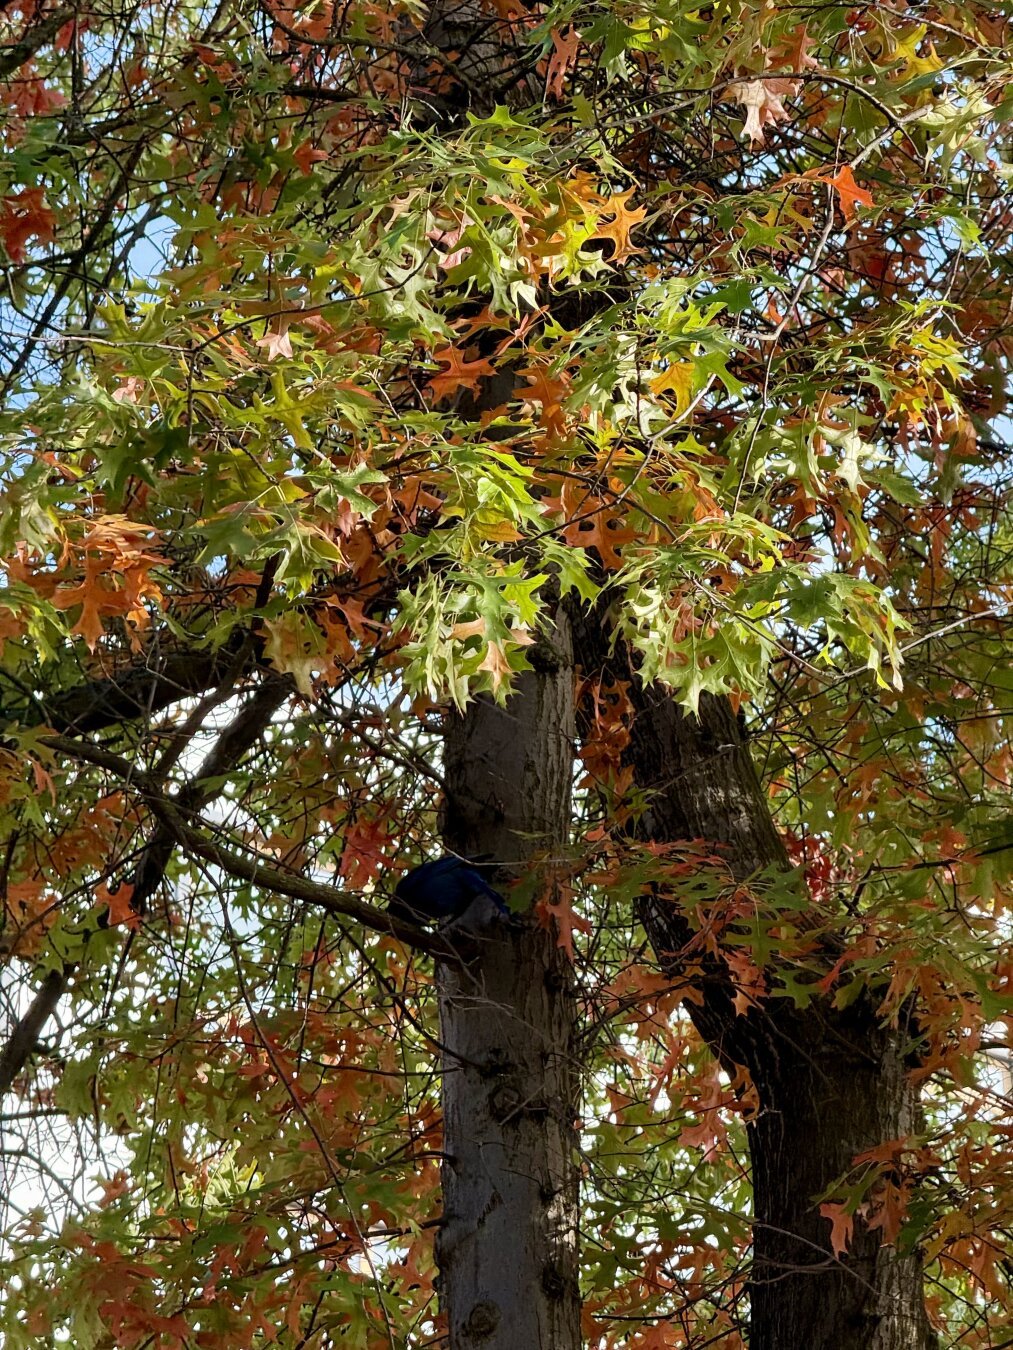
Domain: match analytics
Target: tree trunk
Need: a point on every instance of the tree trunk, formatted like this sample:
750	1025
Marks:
507	1249
831	1084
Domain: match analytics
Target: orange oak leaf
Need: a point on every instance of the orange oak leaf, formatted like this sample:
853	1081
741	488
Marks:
794	51
551	392
364	854
496	663
43	780
96	597
710	1132
118	1184
661	1336
27	912
119	904
618	229
459	374
842	1225
22	216
114	580
849	194
599	528
747	980
564	54
981	1257
307	154
891	1203
93	599
561	910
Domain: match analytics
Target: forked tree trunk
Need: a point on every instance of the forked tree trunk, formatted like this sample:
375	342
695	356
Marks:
831	1085
507	1249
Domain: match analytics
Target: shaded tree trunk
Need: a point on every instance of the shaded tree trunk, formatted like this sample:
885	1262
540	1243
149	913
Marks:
830	1083
507	1249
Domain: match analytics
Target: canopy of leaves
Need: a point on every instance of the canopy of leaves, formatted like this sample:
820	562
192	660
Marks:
328	363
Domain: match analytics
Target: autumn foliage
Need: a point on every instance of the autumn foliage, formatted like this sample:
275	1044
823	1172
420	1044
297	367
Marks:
331	363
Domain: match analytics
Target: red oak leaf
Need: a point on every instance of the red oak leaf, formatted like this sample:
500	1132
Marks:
459	374
119	903
848	192
22	216
561	909
564	53
842	1225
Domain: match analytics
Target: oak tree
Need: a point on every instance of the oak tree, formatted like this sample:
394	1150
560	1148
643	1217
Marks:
567	436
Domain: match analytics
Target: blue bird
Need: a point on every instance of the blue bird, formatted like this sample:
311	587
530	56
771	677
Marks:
442	888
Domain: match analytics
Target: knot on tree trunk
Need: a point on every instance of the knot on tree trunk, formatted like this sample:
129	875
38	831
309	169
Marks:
483	1320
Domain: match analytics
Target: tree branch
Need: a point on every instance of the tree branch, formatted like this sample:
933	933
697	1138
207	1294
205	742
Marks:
27	1030
138	692
241	734
35	37
254	869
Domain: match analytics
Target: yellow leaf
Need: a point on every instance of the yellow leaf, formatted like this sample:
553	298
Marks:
678	379
498	531
296	649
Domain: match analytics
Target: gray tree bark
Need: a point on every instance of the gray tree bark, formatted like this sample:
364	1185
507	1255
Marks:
507	1248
